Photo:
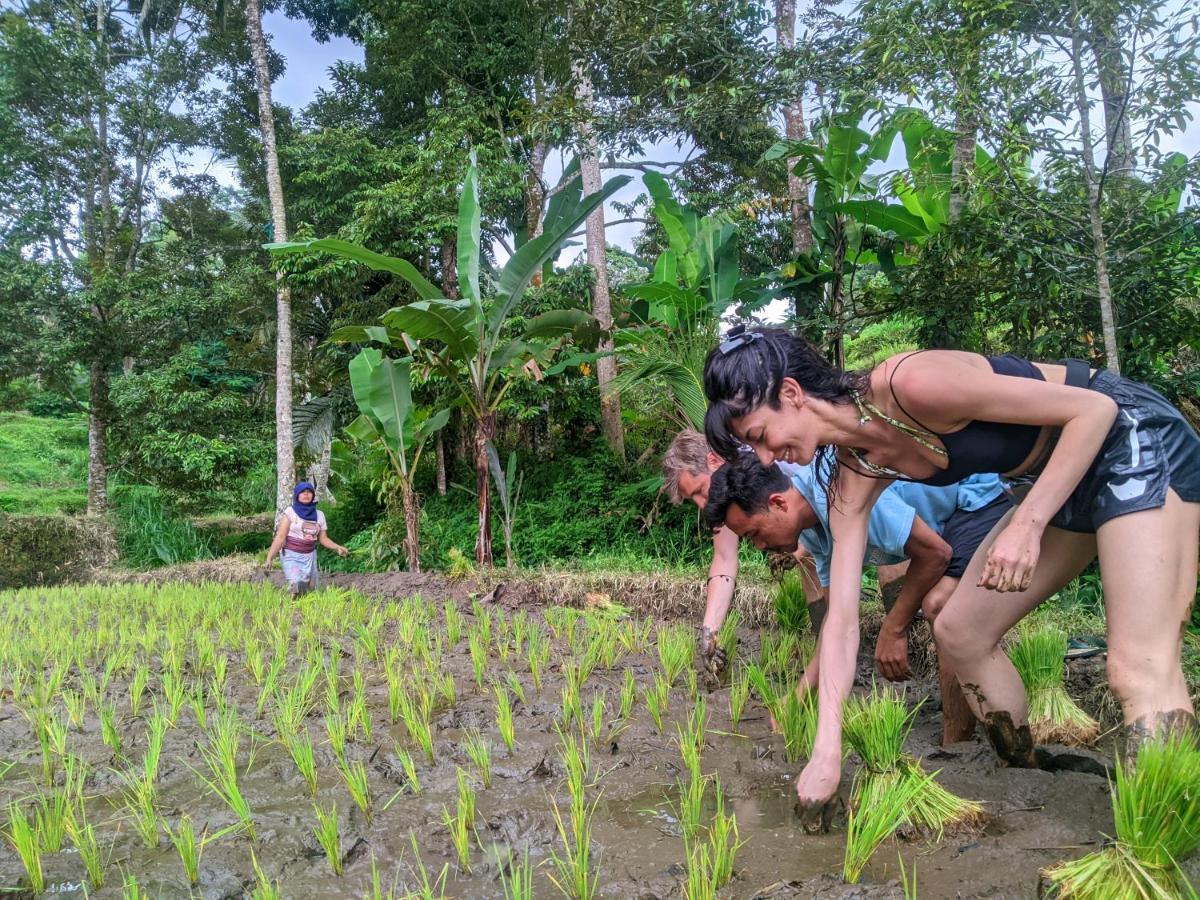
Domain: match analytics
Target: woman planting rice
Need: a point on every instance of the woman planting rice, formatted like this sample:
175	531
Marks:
301	527
1112	469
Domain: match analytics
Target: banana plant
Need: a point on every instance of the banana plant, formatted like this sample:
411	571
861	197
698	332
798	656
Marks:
390	420
474	342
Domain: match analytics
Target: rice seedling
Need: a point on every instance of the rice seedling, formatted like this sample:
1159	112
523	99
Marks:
427	888
333	690
219	756
676	650
690	805
573	872
409	767
519	631
597	715
479	749
876	727
483	622
359	718
908	879
727	634
462	824
443	684
657	699
336	730
83	837
699	884
870	824
572	708
220	673
197	703
142	808
189	849
1156	813
175	694
76	706
797	720
109	732
300	748
517	878
514	685
723	839
739	691
691	737
355	776
264	888
628	695
417	724
454	622
50	819
130	890
504	717
137	687
479	657
328	833
1053	716
395	691
538	656
591	657
693	682
23	836
791	606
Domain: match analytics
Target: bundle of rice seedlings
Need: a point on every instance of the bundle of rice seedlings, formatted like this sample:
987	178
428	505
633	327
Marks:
791	606
876	727
871	823
1053	715
1156	810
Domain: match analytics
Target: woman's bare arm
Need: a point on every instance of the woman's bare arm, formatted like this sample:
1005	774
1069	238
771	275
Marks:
281	534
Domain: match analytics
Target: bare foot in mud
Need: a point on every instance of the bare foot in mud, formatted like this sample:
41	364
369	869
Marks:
1016	749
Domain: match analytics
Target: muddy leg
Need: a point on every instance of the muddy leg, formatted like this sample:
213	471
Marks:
958	722
1148	567
975	619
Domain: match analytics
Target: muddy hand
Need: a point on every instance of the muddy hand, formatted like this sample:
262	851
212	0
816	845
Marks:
816	792
1011	559
710	657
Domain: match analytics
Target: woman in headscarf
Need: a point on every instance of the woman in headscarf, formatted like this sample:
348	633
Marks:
301	528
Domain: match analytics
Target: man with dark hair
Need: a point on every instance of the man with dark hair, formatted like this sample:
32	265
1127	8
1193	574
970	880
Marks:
937	529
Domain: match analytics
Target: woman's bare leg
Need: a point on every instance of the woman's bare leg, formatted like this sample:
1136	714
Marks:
958	721
974	621
1148	567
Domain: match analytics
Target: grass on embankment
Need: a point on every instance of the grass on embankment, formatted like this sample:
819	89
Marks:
43	465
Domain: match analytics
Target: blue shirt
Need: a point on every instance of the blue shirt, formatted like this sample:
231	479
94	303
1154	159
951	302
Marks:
892	516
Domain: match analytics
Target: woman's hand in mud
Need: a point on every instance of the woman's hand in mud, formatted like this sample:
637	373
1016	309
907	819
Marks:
816	790
710	657
891	654
1012	558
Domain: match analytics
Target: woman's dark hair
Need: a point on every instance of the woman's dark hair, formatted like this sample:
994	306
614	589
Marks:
745	483
747	369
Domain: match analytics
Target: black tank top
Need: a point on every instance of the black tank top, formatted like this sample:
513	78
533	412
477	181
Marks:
983	447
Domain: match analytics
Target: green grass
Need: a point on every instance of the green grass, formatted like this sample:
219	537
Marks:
43	465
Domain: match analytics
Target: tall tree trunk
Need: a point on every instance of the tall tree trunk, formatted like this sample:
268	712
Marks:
440	452
535	196
589	166
1114	78
412	528
795	130
449	269
285	458
1108	312
485	431
98	411
963	162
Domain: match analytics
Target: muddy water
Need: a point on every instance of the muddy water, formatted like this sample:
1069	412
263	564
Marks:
1035	818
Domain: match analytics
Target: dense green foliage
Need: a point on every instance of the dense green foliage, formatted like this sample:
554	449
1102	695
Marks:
42	464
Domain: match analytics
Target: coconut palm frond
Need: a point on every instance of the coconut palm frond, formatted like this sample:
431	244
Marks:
313	423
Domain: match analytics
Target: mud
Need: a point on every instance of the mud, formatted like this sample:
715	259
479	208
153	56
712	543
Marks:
1035	817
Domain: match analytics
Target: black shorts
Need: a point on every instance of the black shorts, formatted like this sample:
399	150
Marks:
1151	447
965	531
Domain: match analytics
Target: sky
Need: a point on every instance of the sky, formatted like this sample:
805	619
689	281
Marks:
308	64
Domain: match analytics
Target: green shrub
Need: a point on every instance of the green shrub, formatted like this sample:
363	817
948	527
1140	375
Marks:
43	465
150	534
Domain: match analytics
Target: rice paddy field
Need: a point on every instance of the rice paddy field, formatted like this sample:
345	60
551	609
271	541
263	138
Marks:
220	740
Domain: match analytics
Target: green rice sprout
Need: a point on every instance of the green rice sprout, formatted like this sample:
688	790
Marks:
869	825
628	695
409	766
597	715
443	684
175	693
130	890
723	839
333	691
300	748
519	631
479	657
908	879
572	709
336	730
791	606
23	836
50	819
197	703
504	717
876	727
1053	716
462	824
109	732
395	692
137	687
693	682
355	776
657	699
189	849
739	691
156	730
416	722
691	804
219	756
797	720
573	872
676	650
264	888
427	888
76	706
479	749
328	833
143	810
454	622
514	686
1156	811
483	622
727	634
517	878
83	837
700	882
